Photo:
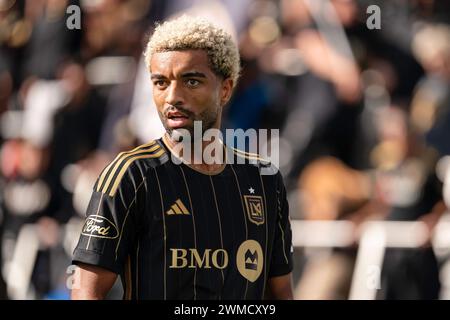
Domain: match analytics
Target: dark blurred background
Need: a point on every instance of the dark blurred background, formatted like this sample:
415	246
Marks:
364	119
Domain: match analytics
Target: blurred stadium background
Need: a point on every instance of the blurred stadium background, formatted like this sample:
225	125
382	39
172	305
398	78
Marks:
364	117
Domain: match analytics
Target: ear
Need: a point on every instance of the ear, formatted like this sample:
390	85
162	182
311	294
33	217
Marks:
226	91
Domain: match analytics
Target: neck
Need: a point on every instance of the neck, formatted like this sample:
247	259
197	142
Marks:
199	155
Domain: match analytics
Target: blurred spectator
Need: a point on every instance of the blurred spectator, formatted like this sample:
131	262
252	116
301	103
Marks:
27	192
401	187
50	41
76	131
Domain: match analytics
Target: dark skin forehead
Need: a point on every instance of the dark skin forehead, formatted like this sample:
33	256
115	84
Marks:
180	63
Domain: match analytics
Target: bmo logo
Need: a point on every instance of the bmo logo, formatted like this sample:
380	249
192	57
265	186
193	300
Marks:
249	259
192	258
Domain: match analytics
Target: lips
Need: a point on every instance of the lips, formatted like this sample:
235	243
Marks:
176	119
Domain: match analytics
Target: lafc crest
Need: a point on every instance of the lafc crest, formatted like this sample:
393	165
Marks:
255	209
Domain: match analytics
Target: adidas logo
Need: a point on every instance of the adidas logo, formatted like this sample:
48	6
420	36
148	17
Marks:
177	208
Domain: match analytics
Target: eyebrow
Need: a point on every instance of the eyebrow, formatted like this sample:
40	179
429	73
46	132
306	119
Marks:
195	74
156	76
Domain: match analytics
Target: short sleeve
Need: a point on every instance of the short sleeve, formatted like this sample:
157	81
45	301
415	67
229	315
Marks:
109	231
281	260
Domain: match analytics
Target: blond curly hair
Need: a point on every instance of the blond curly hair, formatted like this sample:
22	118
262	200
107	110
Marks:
186	33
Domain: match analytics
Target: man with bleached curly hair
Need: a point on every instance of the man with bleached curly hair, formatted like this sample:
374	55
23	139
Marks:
171	223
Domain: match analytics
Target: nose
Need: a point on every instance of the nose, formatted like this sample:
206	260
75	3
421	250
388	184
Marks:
174	95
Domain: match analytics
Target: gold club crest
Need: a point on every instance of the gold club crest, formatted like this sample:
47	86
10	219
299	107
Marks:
255	209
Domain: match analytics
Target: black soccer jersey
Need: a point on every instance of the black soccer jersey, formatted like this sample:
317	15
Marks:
172	232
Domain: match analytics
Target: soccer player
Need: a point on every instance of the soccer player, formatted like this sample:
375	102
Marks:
180	229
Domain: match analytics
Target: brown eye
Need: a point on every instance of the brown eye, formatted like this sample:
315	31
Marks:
192	82
159	83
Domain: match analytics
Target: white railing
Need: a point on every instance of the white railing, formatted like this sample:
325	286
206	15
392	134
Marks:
373	239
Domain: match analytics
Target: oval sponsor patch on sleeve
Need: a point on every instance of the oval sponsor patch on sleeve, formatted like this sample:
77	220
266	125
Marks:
99	227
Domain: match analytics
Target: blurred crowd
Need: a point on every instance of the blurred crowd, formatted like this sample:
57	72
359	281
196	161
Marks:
364	119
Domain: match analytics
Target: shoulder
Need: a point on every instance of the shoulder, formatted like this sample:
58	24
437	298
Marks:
130	164
265	165
252	158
